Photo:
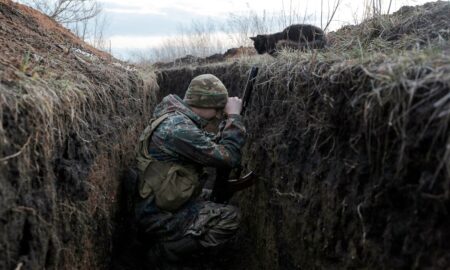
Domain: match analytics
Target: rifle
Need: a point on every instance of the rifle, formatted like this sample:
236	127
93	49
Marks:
224	187
249	89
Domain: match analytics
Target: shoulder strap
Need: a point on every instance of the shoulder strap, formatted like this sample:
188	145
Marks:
142	155
154	123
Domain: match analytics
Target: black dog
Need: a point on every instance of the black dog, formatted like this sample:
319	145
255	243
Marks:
297	36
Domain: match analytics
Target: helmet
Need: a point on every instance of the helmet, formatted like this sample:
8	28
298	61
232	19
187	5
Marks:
206	91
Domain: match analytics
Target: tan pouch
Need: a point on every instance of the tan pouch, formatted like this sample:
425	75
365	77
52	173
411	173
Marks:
172	184
152	178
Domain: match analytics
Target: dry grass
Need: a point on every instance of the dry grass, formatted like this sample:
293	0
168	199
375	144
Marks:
365	122
410	28
351	145
69	119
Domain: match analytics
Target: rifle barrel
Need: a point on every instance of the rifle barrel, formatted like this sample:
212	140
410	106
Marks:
249	88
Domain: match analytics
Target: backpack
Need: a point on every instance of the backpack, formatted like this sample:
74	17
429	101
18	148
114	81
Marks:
172	184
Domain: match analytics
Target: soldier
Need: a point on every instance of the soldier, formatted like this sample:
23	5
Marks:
172	153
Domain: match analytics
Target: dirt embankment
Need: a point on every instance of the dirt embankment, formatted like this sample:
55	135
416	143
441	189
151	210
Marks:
409	28
352	146
353	160
229	55
69	119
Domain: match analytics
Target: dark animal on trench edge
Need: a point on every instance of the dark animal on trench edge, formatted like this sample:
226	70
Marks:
297	36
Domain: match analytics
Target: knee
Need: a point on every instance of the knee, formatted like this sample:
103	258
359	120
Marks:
231	215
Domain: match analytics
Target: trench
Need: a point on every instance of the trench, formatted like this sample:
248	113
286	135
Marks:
350	176
351	148
338	187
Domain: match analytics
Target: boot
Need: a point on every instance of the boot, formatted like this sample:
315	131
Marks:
181	249
153	258
156	260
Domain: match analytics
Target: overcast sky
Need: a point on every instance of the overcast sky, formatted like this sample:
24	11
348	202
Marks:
141	24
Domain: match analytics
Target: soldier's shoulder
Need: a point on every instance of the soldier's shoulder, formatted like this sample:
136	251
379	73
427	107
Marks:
176	118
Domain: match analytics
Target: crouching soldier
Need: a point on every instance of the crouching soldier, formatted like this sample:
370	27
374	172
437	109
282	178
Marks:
172	152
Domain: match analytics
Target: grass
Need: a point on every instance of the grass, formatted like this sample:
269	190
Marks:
356	138
380	92
67	135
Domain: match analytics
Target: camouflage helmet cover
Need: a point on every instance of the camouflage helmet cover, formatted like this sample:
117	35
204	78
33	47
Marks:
206	91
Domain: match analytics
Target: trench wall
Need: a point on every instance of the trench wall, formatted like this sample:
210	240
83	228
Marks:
70	116
352	159
61	162
352	153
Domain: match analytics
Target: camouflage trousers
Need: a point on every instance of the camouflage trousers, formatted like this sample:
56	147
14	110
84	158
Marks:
211	224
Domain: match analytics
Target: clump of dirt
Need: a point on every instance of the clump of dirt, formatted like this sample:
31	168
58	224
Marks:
352	153
409	28
70	116
38	28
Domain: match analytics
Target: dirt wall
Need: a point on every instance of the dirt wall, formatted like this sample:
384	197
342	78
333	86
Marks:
69	120
351	149
353	161
61	163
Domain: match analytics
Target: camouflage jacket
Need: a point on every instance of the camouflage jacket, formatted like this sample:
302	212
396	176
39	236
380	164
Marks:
181	138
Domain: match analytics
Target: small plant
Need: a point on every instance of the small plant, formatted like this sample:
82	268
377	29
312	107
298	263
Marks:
25	64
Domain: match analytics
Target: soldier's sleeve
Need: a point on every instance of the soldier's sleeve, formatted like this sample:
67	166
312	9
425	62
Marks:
192	143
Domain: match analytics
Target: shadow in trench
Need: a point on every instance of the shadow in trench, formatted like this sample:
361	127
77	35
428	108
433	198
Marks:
128	252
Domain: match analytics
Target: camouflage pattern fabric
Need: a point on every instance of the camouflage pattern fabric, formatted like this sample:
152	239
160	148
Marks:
206	91
180	138
211	223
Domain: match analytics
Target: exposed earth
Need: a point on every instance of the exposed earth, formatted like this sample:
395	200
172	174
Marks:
351	145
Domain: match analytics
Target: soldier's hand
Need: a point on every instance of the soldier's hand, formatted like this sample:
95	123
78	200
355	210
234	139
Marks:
234	106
